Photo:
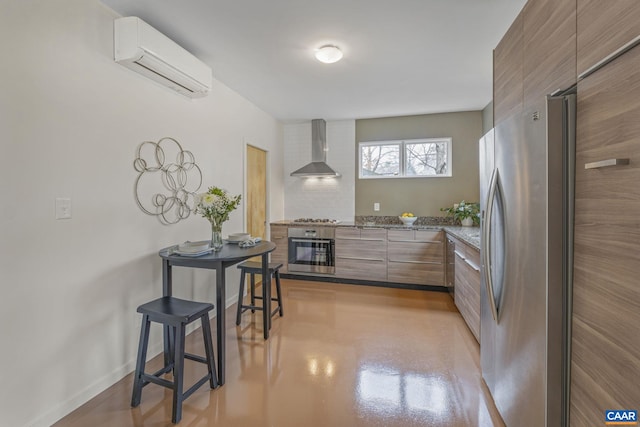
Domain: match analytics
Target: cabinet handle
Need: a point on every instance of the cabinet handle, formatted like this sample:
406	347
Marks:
621	51
415	241
414	262
361	259
472	265
606	163
460	255
359	238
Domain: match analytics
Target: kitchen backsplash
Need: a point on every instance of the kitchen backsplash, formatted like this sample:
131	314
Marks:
320	198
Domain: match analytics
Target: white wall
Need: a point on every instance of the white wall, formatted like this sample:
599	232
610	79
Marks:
320	198
70	122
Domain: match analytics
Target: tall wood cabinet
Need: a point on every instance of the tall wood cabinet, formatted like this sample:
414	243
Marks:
549	48
536	56
507	73
605	364
603	27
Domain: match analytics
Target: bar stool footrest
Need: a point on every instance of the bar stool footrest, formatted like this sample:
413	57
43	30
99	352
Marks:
196	386
163	371
156	380
195	358
253	307
272	298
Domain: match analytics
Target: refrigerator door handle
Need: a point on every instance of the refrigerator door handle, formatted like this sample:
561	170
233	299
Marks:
486	243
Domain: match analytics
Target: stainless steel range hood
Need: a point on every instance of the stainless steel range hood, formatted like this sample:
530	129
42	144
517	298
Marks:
318	166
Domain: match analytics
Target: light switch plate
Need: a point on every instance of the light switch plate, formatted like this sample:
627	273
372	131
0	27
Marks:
376	206
63	208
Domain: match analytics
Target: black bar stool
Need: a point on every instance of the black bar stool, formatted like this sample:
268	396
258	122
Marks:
253	268
175	314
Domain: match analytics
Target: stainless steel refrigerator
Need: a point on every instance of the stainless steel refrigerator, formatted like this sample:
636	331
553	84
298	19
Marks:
526	185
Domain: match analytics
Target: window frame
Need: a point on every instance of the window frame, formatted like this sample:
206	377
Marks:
403	156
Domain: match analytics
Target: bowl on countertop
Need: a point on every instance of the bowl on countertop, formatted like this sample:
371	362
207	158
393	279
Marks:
238	237
408	220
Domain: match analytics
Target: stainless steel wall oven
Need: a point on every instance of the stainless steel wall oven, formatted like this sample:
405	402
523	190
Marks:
312	250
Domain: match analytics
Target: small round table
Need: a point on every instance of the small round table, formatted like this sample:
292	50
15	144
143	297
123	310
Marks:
229	255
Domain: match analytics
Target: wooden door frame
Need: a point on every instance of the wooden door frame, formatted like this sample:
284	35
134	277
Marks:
248	144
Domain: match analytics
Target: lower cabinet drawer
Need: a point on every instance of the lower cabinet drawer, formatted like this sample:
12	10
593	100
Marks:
361	254
416	273
361	249
361	269
280	254
416	251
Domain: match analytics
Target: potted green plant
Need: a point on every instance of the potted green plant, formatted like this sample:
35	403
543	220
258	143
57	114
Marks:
466	213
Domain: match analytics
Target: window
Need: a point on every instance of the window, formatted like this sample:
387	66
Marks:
379	160
405	159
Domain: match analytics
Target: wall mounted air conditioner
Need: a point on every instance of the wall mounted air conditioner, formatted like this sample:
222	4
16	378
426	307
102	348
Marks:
142	48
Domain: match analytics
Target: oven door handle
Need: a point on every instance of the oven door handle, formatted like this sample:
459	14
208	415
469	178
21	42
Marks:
310	240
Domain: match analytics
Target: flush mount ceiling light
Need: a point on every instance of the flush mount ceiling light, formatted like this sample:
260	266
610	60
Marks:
328	54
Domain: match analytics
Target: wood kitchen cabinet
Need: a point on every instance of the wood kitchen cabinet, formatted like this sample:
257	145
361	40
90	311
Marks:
416	257
361	253
603	27
535	57
558	45
507	73
605	362
467	284
280	238
549	46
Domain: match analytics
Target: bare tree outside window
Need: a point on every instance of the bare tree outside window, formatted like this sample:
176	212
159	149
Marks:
380	160
427	157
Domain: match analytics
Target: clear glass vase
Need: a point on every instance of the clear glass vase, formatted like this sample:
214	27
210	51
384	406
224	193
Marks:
216	236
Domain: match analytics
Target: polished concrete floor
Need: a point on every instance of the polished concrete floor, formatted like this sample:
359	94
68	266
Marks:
342	355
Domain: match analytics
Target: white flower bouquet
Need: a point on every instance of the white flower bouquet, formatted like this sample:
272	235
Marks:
216	205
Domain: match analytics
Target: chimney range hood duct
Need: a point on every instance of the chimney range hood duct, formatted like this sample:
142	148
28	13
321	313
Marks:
318	166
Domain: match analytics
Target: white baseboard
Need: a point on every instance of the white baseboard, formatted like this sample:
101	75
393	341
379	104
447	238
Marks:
74	402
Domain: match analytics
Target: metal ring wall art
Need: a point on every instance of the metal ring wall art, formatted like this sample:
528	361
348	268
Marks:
166	189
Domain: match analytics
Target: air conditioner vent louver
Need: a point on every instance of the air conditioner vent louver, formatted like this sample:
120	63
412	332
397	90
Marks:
142	48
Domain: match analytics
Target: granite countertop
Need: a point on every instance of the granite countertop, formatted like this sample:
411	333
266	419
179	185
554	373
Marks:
469	235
